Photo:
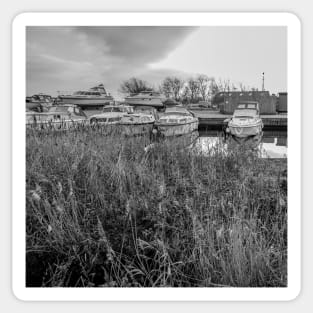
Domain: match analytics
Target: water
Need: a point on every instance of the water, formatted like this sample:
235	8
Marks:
273	143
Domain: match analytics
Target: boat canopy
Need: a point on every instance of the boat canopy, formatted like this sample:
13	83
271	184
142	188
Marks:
245	113
100	88
121	108
176	110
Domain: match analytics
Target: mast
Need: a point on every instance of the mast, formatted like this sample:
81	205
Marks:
263	81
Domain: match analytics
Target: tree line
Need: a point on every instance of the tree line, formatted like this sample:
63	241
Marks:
192	90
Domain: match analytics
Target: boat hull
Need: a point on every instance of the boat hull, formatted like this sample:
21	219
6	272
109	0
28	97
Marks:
63	124
139	102
136	129
177	129
245	131
86	102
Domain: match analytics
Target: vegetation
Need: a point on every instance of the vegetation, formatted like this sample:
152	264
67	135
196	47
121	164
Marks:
134	86
105	211
192	90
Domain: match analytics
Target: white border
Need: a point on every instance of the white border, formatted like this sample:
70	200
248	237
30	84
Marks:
145	19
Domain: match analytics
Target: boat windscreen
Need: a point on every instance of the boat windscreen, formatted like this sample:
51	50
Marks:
58	109
245	113
112	109
114	119
87	93
183	113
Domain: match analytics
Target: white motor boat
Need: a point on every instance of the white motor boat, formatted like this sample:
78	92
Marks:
246	121
58	117
111	114
176	121
146	98
137	124
93	98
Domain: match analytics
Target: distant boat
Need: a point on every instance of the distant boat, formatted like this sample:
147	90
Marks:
146	98
39	102
95	97
246	121
176	121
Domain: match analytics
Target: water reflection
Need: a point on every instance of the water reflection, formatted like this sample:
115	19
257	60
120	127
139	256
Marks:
273	144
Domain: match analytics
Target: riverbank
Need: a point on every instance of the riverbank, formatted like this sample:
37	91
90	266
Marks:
102	211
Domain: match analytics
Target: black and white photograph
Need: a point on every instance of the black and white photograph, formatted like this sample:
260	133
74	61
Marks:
156	156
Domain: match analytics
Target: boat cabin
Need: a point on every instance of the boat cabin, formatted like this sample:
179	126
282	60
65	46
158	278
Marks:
87	93
118	108
247	108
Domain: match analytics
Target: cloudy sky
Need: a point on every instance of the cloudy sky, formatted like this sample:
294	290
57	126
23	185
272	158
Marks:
77	58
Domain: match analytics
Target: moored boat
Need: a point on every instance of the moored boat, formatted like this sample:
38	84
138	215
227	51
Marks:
146	98
111	114
58	117
137	124
39	102
95	97
176	121
246	121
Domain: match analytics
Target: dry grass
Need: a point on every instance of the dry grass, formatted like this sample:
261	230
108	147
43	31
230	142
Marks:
100	211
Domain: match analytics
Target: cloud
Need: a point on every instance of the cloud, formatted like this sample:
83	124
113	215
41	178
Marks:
136	44
69	58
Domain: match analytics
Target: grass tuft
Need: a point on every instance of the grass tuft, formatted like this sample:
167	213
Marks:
103	211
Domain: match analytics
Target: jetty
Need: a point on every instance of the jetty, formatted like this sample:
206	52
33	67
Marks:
214	119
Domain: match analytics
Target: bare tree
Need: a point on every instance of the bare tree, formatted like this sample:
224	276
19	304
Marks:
213	88
134	85
194	88
242	87
185	94
224	85
203	81
172	87
167	87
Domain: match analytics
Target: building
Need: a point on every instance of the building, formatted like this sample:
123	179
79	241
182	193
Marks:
228	101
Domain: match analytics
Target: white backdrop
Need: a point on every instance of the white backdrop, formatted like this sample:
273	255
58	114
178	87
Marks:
302	8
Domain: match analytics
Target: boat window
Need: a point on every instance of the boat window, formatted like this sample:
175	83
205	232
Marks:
112	109
183	120
78	111
251	106
241	106
245	113
102	120
172	120
114	119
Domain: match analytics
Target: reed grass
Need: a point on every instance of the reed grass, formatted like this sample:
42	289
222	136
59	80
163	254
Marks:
104	211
